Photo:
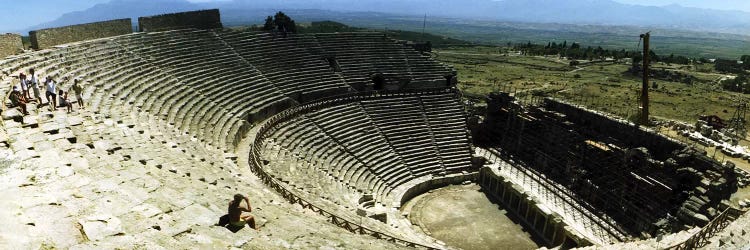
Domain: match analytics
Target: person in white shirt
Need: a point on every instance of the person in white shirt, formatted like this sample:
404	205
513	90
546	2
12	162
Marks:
34	82
51	95
24	86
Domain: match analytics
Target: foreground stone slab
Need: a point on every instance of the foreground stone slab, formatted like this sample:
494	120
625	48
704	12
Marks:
98	227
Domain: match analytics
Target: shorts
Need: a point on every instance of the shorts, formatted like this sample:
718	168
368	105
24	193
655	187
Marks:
51	94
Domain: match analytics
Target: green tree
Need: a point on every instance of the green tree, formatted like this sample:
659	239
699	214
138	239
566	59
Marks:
738	84
280	22
745	62
268	25
284	22
637	58
727	66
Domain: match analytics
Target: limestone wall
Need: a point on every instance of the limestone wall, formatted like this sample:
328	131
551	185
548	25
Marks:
533	214
46	38
423	185
659	146
10	44
201	19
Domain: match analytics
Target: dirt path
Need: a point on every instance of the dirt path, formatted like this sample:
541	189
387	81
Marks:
577	69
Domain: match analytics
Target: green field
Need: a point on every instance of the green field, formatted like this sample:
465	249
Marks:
499	33
495	33
603	86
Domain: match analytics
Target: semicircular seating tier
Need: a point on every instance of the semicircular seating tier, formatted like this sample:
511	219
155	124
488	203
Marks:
375	146
180	102
215	84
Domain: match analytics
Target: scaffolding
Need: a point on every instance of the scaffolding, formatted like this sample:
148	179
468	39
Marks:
600	169
737	123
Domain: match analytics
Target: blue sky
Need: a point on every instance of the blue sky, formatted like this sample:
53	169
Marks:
20	14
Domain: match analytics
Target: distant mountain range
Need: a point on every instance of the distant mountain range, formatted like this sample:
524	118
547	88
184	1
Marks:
581	12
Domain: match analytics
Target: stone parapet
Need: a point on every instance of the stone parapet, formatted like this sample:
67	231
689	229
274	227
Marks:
46	38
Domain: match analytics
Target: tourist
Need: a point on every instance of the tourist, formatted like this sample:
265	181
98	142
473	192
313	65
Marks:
51	95
78	91
17	100
34	81
239	215
24	86
64	102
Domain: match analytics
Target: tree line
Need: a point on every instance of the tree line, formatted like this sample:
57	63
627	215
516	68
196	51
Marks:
280	22
575	51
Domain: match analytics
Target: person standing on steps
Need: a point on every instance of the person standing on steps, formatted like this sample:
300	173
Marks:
78	91
239	214
34	82
51	95
24	86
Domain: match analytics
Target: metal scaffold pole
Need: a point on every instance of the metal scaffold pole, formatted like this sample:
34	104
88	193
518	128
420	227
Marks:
644	87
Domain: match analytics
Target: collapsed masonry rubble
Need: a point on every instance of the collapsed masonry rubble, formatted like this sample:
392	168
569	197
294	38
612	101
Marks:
647	183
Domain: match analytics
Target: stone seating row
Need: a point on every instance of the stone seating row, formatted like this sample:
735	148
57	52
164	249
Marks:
403	123
351	127
285	61
358	56
197	79
183	82
361	53
322	172
146	86
312	184
448	122
124	179
378	144
309	142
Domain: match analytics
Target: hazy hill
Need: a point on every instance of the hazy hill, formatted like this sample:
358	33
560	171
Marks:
545	11
678	30
117	9
597	12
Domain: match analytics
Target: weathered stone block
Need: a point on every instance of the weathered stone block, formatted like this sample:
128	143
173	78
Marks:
46	38
10	44
98	227
201	19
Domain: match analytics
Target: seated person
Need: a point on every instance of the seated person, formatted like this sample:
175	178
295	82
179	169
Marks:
239	214
64	102
16	99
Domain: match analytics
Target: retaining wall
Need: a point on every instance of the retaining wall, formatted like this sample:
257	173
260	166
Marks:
659	146
536	217
200	19
46	38
10	44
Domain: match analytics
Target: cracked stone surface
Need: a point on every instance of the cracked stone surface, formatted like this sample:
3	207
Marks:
128	190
